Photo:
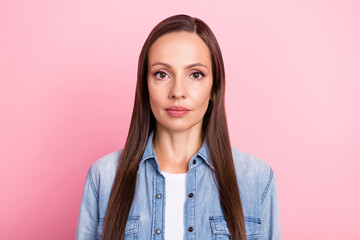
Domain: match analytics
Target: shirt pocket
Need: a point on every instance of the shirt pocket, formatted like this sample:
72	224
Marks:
253	227
220	231
131	228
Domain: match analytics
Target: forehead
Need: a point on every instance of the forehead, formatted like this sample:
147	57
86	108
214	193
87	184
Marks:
179	48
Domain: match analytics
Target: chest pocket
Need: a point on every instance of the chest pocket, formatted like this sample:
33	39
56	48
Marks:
131	229
253	226
220	230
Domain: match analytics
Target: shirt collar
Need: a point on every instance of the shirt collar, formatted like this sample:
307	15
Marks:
149	152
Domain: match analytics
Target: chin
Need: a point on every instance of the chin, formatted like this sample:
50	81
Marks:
178	127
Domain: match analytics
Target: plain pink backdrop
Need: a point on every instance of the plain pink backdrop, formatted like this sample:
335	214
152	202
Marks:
68	74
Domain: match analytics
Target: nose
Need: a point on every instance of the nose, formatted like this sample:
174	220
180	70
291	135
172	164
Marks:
178	88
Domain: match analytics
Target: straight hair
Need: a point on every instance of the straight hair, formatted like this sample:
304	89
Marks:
214	130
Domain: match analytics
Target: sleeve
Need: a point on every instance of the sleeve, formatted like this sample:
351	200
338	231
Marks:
89	215
270	215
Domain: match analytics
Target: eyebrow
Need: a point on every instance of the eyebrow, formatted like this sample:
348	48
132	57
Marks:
186	67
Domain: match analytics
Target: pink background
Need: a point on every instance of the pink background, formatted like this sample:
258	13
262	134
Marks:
68	73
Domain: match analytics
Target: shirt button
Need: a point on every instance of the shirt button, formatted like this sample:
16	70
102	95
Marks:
158	231
191	194
194	161
190	229
158	195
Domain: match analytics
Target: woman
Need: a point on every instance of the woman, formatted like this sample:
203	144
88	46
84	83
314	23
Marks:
177	176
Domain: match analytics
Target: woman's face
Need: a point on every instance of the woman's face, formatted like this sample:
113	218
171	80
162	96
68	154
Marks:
179	74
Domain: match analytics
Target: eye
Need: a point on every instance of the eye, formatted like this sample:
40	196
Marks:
161	74
197	75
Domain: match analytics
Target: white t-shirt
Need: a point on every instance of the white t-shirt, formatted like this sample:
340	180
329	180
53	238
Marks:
174	205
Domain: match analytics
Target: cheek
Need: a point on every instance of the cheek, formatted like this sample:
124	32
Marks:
154	99
155	90
202	97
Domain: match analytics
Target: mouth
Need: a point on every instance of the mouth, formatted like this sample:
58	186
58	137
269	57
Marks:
177	108
177	111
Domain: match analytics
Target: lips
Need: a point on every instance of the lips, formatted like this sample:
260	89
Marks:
177	111
176	108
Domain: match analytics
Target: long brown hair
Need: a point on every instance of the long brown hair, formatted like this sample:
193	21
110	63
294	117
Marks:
214	129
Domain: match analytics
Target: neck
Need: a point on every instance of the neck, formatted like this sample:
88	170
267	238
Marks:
174	149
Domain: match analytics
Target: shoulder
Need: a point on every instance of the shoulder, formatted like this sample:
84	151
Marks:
104	168
248	163
253	173
258	190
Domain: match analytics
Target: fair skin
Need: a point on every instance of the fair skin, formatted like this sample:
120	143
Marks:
172	81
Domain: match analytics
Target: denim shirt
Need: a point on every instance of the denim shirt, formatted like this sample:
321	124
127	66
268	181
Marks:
203	217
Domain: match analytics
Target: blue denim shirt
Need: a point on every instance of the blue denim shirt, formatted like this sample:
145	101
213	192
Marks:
202	209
